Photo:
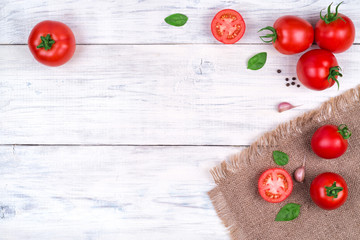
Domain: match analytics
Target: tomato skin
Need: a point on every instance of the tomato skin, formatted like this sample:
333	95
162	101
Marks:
318	191
294	35
63	48
219	20
313	69
281	182
328	143
336	36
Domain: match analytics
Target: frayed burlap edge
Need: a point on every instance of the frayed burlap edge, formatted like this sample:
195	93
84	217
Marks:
223	211
294	127
244	158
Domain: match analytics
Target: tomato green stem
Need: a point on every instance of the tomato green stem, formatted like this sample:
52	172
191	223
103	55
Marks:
272	35
331	17
344	131
333	72
333	190
46	42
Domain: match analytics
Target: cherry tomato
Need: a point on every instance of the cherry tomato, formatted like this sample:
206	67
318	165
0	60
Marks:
275	185
329	190
335	31
228	26
290	35
52	43
318	69
330	141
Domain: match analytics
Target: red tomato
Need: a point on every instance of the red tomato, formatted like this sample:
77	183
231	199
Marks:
335	32
290	35
52	43
228	26
318	69
275	185
330	141
329	190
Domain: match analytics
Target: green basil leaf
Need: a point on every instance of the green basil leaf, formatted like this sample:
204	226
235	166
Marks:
280	158
176	19
257	61
288	212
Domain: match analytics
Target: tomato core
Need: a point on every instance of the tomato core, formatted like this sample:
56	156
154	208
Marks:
228	26
275	185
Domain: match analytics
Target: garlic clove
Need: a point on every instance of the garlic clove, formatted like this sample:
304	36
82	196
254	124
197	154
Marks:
284	106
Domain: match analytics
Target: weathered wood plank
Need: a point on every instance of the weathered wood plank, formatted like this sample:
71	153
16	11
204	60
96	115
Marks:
141	21
186	94
108	192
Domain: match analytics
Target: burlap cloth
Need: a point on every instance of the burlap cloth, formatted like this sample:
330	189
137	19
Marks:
248	216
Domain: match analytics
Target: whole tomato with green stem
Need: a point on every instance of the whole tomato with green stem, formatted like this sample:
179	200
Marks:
330	141
329	190
290	35
334	31
318	69
52	43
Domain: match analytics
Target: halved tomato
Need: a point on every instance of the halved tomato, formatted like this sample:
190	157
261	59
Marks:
228	26
275	185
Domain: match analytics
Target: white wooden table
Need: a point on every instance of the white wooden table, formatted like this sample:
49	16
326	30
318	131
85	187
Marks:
118	142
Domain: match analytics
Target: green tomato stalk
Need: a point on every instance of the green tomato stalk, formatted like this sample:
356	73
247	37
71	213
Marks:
344	131
331	17
333	72
46	42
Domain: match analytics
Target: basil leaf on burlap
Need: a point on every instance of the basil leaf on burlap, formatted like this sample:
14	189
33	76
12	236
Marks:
288	212
176	19
258	61
280	158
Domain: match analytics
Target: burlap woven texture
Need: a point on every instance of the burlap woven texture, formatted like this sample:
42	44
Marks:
248	216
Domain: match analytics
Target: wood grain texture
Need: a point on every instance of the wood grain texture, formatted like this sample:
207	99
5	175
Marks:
142	21
134	80
108	192
187	94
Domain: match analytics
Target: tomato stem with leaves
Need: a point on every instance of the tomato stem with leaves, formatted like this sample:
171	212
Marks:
333	72
46	42
272	35
333	190
331	17
344	131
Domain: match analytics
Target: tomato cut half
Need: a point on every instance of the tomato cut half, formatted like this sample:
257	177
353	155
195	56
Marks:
275	185
228	26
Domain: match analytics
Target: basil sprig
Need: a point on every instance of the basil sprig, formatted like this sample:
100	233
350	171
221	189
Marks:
176	19
257	61
288	212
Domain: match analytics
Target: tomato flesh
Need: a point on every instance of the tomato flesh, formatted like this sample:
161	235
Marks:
275	185
228	26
